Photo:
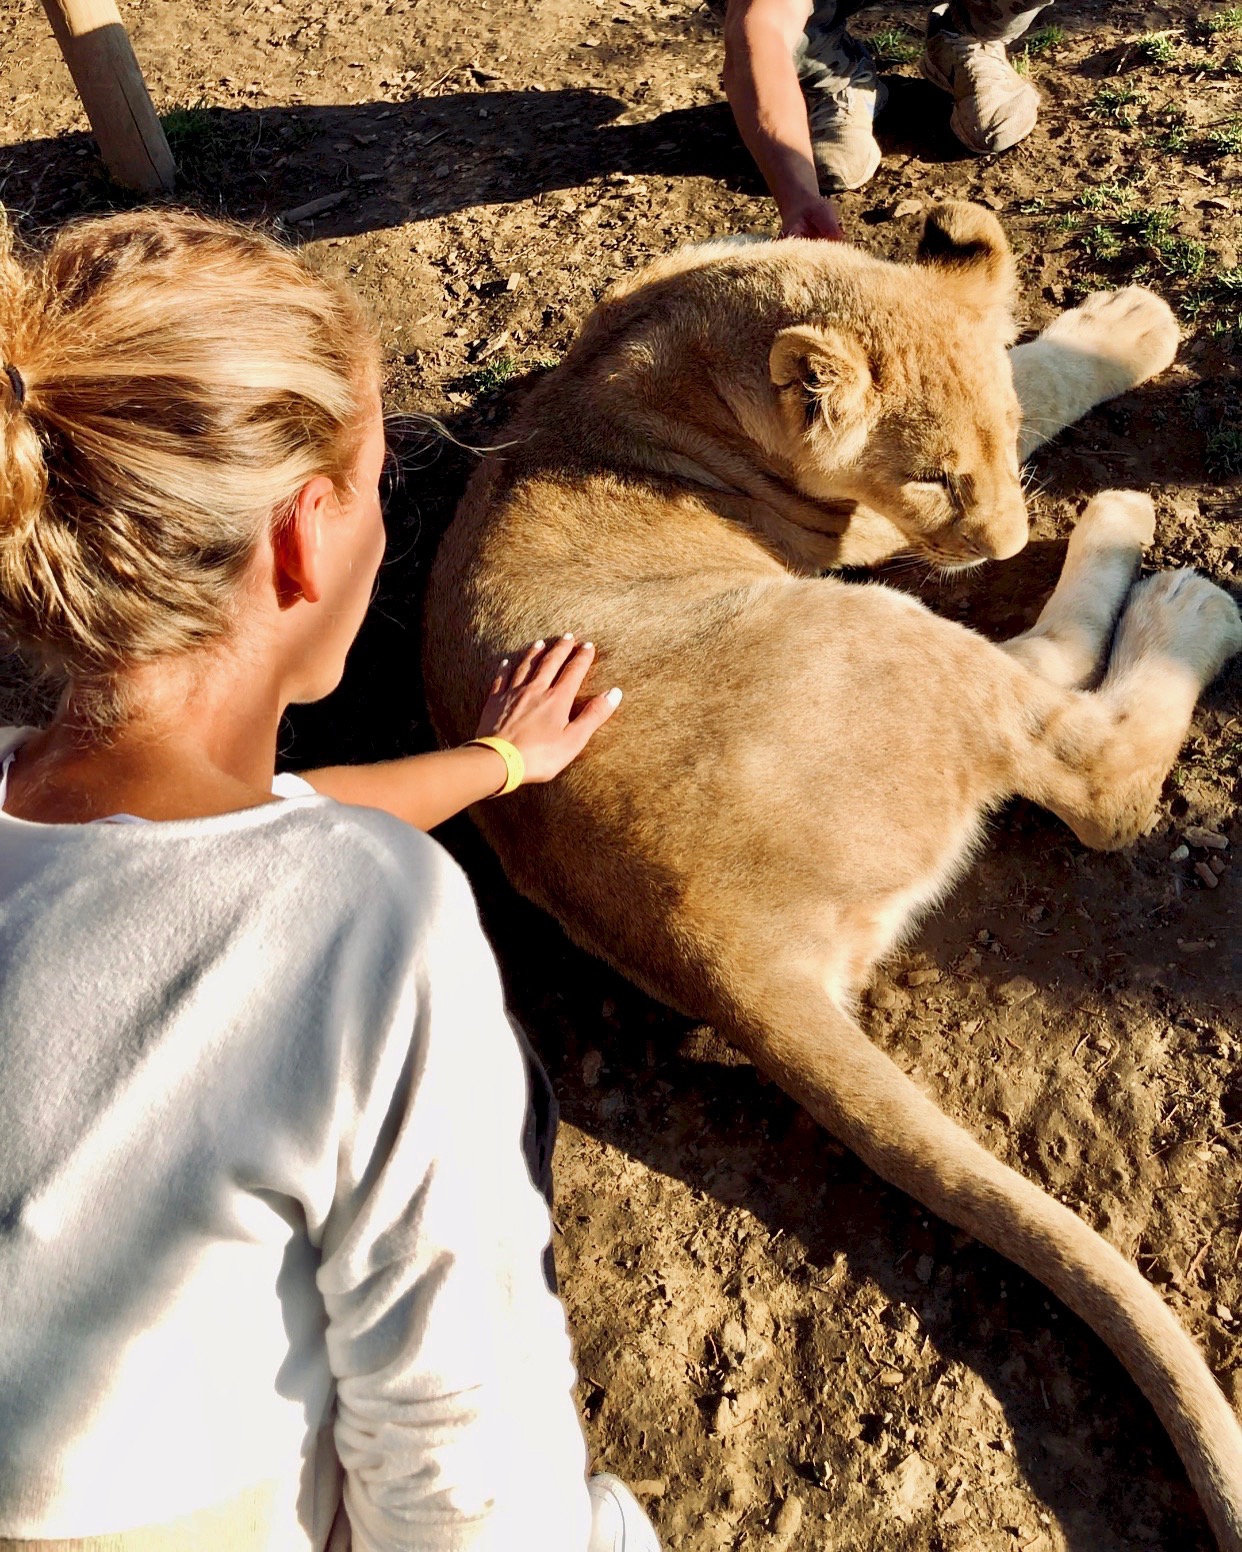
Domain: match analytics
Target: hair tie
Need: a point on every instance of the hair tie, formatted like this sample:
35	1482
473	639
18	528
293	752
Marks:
17	383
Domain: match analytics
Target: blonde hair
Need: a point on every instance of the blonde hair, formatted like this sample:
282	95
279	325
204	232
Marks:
169	385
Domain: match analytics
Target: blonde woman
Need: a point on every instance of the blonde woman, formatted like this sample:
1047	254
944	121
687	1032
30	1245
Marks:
269	1250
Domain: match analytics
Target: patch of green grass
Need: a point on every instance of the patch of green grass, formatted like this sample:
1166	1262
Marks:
1110	197
1232	65
1102	245
1138	235
1157	48
1153	226
1223	452
1225	139
1176	138
1043	39
1114	103
203	147
1228	20
1185	257
485	380
1215	304
1067	221
896	46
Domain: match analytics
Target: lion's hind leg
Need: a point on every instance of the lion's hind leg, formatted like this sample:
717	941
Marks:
1098	759
1113	342
1068	643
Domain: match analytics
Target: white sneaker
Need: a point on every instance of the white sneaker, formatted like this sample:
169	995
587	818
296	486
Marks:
993	107
618	1523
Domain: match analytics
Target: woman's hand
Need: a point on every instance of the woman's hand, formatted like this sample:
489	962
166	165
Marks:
532	701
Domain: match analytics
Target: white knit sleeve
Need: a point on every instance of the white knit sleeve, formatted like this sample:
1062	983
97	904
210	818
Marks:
456	1423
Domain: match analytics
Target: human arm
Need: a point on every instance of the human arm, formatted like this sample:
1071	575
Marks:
530	706
456	1424
761	83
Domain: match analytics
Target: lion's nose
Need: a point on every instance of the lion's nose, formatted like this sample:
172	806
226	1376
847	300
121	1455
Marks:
1004	533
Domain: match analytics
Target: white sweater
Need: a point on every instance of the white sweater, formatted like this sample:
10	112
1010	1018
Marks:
263	1209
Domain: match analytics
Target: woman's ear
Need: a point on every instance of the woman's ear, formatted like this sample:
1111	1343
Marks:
298	543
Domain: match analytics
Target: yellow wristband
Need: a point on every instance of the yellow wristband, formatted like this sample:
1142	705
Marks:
515	766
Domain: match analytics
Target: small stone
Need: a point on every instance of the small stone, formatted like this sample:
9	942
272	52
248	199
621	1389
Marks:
922	977
733	1338
907	207
1204	839
514	280
740	1493
592	1063
923	1269
912	1485
1223	1312
722	1417
1206	874
1016	990
1217	865
886	998
788	1519
1179	854
650	1487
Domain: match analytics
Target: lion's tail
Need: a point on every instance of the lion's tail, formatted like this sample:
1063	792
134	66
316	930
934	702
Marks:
821	1056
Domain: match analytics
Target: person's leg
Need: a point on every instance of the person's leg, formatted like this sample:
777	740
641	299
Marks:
843	95
993	21
993	106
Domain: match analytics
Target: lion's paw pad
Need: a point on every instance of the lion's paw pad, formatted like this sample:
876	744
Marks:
1133	327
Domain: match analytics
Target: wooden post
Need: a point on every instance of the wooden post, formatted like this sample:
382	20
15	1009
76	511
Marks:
100	57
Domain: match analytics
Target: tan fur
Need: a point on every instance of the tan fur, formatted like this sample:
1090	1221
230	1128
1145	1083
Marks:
729	423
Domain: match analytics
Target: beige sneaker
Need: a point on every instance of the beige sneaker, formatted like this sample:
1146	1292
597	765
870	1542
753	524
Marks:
843	141
993	107
843	95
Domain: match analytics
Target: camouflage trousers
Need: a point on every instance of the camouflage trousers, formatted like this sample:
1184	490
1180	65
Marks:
827	57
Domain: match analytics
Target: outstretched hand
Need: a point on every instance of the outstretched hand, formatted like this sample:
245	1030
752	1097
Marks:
532	706
816	218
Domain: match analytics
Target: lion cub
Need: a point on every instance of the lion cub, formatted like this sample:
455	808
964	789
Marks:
729	424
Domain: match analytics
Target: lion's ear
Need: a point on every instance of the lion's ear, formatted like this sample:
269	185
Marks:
830	366
966	244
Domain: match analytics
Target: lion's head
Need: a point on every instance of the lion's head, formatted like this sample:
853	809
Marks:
854	380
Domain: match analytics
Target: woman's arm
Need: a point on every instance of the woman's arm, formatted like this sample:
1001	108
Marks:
530	707
761	83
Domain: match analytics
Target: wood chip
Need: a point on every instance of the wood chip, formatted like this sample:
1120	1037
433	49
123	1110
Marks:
1204	839
1206	874
313	207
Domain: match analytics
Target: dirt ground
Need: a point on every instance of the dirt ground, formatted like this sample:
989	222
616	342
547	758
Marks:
775	1348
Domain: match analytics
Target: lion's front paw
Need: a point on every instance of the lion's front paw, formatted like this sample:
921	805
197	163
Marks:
1133	329
1125	518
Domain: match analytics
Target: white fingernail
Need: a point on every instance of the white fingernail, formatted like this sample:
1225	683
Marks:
504	662
568	636
539	645
588	646
613	697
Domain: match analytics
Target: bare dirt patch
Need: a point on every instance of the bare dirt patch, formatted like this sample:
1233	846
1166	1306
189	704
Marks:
778	1350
